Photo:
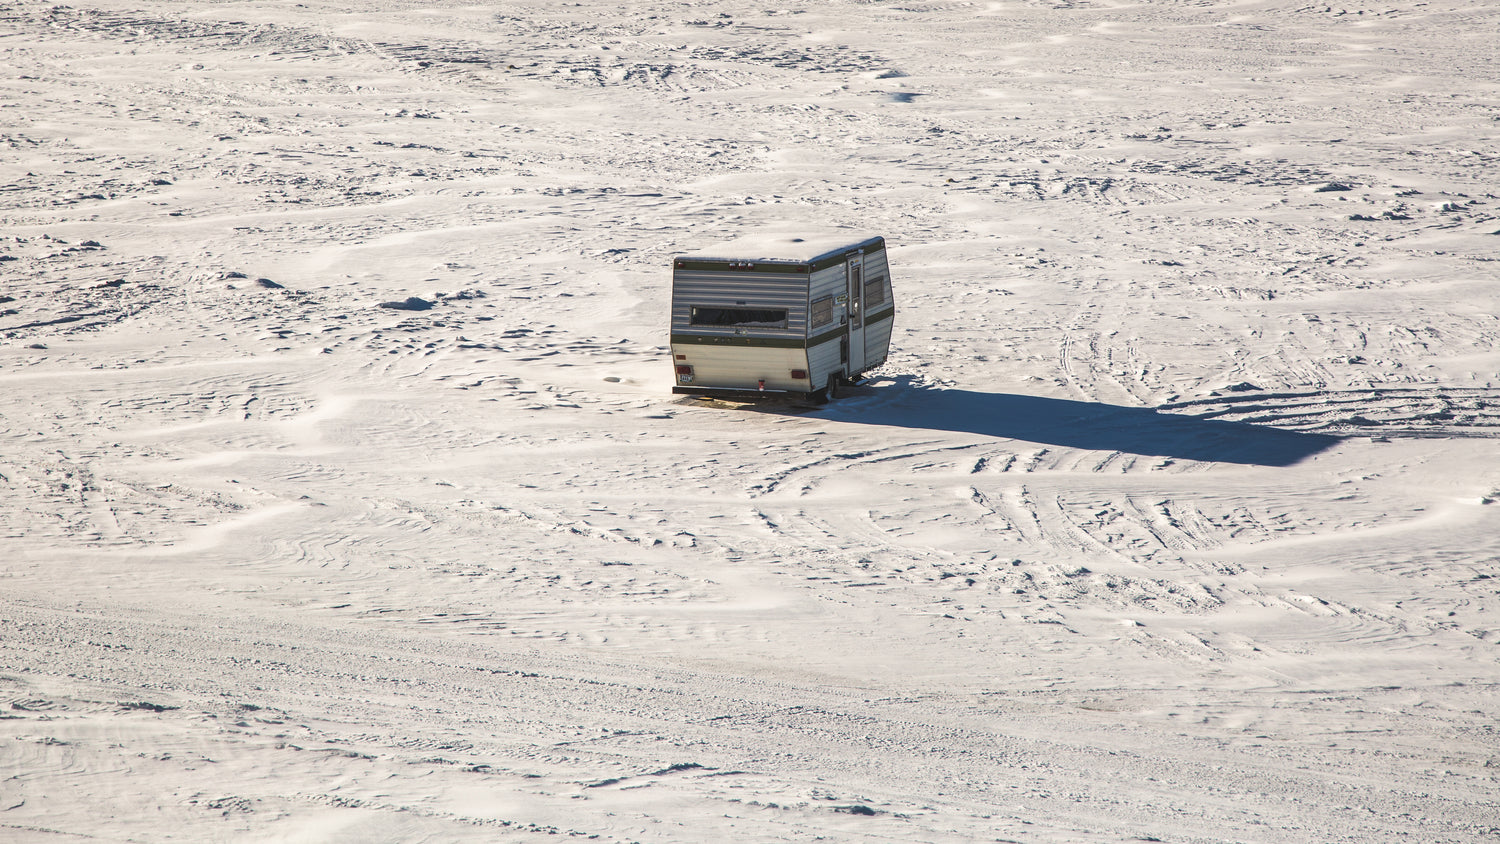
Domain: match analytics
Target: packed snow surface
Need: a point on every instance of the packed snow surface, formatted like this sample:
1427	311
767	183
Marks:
344	497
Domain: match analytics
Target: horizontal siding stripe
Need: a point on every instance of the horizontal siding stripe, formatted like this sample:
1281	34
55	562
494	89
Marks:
763	342
729	289
828	283
886	313
742	281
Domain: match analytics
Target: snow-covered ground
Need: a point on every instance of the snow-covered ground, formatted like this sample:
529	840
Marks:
1175	515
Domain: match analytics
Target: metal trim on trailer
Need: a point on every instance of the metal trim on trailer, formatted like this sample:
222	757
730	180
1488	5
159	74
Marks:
707	263
739	392
839	256
726	340
702	265
771	342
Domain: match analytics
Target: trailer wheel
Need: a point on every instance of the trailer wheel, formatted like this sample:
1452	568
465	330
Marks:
835	387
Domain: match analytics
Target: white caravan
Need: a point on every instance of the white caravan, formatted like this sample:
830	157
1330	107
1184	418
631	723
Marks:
794	317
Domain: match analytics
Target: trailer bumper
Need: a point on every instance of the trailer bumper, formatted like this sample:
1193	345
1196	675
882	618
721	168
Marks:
740	394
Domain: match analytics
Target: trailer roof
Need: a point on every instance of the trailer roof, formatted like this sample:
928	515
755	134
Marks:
783	248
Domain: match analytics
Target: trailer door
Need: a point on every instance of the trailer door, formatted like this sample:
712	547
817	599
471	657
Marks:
855	339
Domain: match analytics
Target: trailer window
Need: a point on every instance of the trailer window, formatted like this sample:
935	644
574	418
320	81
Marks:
822	312
875	291
752	317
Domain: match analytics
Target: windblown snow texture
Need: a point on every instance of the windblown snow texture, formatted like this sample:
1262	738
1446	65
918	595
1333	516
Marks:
343	496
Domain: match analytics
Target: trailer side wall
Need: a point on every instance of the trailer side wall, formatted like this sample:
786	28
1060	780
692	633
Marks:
824	357
879	315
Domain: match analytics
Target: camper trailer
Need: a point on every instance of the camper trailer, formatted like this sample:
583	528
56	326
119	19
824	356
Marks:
793	317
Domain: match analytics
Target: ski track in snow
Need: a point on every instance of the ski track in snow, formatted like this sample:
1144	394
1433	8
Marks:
1172	516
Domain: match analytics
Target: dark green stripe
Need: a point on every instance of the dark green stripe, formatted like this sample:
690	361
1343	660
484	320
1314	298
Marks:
835	260
833	334
777	342
774	342
762	342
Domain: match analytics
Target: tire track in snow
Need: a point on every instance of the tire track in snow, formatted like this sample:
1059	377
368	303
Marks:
1383	411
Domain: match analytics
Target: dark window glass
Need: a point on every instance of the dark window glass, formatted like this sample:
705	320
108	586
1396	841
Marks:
822	312
753	317
855	299
874	291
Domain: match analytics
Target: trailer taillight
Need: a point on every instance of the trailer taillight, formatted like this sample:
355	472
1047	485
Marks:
799	374
684	369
